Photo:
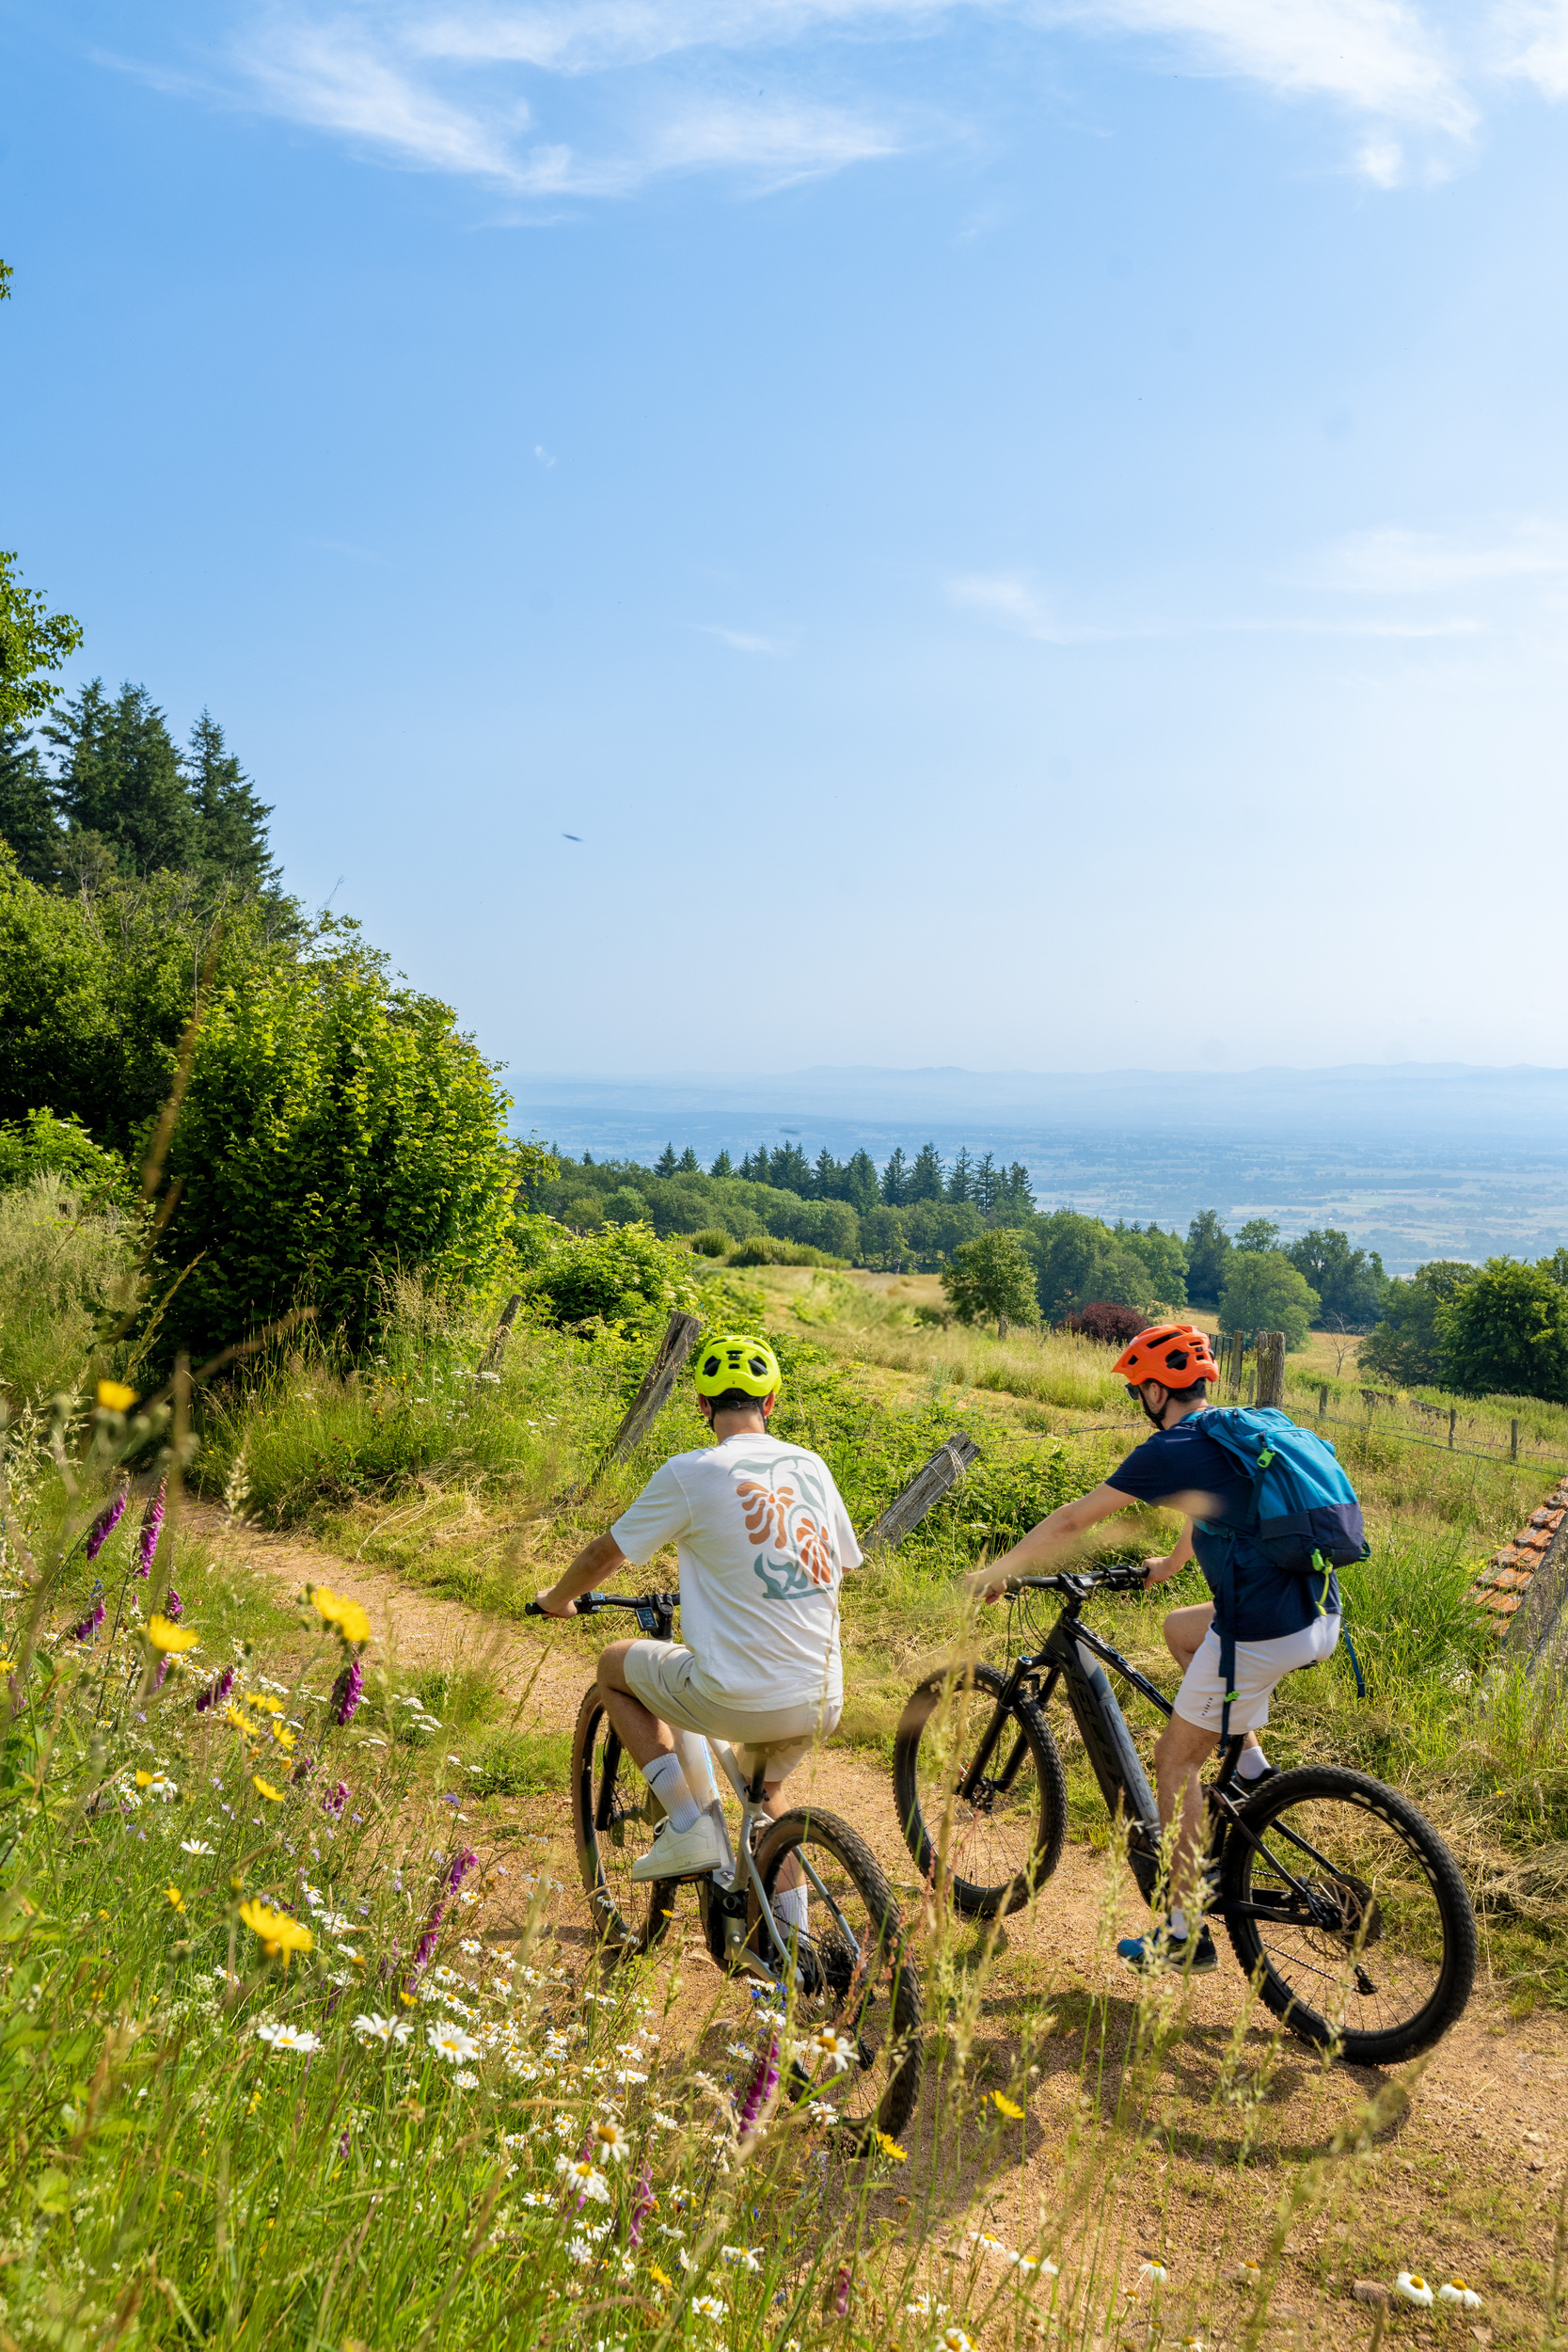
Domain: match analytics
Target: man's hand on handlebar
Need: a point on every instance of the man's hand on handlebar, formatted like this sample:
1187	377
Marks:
986	1584
550	1604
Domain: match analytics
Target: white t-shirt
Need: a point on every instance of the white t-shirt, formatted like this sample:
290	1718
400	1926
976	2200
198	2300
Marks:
763	1539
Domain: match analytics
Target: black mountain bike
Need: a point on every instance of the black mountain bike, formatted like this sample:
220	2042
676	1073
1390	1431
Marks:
1343	1903
851	1970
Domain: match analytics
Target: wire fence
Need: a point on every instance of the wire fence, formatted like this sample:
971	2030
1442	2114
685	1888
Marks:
1381	1419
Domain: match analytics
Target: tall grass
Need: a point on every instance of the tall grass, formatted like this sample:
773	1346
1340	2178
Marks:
65	1266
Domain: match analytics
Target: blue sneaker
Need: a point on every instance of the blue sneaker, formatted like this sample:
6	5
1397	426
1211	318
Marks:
1164	1951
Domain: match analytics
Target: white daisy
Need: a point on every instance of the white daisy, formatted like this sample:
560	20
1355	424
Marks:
1152	2274
609	2142
925	2307
580	2249
583	2176
450	2042
1413	2289
742	2256
709	2307
1461	2292
372	2027
830	2044
195	1845
291	2037
466	2078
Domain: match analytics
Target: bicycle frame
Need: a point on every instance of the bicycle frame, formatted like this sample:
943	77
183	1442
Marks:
721	1900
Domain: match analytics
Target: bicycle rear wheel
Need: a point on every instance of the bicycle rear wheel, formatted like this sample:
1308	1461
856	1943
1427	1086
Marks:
857	1978
614	1814
992	1849
1353	1911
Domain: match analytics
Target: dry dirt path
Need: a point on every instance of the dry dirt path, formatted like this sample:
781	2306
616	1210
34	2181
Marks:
1467	2180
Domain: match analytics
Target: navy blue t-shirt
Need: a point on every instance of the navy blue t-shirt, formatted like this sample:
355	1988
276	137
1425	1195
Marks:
1185	1460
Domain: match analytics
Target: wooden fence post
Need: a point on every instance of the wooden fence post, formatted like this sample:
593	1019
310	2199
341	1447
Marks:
681	1334
502	1332
1513	1441
1322	1402
1271	1368
925	1490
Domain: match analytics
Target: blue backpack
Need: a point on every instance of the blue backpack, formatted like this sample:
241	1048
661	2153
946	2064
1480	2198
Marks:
1304	1518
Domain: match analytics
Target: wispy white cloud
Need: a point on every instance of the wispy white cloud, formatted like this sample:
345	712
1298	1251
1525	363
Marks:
744	641
1396	562
1532	43
1012	601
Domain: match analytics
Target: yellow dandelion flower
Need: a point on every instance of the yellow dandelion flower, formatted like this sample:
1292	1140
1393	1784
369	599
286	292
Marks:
170	1637
278	1932
659	2278
345	1616
1008	2107
891	2148
241	1721
283	1736
115	1397
264	1700
273	1796
173	1896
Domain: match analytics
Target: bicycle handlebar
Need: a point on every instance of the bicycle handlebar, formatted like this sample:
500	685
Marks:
1078	1584
649	1607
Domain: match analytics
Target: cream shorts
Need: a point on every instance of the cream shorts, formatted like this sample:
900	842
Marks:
1260	1665
660	1675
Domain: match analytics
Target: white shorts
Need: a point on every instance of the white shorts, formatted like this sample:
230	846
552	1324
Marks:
660	1675
1260	1665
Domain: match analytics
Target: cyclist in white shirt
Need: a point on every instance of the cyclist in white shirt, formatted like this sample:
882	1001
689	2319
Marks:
762	1540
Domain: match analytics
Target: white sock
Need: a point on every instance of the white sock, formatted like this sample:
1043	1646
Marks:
1253	1764
668	1782
1178	1923
789	1909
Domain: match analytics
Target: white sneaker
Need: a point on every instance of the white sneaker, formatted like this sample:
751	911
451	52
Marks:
683	1854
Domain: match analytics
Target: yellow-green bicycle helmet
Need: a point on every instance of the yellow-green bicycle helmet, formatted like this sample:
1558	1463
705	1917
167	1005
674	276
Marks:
737	1361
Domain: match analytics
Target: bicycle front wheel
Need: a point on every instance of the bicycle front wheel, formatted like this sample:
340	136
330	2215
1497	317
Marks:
857	1980
994	1847
614	1814
1353	1911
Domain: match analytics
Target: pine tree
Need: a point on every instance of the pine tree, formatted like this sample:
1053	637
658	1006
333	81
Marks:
960	1185
860	1188
1017	1192
827	1177
722	1166
926	1176
790	1170
895	1179
983	1184
667	1163
120	777
688	1163
755	1168
233	819
27	820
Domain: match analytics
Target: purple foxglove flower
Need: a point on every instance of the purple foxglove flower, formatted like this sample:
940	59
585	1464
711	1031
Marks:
643	2202
151	1528
87	1630
462	1864
106	1521
335	1800
764	2082
163	1669
216	1692
174	1607
346	1692
303	1768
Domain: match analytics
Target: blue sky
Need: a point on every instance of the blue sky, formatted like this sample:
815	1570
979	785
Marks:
1017	536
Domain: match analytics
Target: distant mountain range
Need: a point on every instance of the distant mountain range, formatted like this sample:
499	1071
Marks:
1415	1159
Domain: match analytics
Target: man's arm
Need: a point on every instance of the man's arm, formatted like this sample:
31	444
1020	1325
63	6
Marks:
1059	1533
1176	1559
594	1562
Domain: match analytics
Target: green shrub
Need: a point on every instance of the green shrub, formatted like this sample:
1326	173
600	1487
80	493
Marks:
712	1242
1405	1346
1263	1291
992	1278
64	1267
42	1145
1507	1329
767	1249
624	1273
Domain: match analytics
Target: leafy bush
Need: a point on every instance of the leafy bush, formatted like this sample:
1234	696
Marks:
1507	1329
42	1145
1405	1345
712	1242
1113	1326
767	1249
1079	1259
992	1279
1263	1291
63	1266
1350	1283
622	1275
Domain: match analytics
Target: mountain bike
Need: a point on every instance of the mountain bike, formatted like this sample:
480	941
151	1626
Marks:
849	1969
1338	1899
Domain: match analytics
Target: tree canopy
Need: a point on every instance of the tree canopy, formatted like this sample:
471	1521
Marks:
991	1279
1264	1291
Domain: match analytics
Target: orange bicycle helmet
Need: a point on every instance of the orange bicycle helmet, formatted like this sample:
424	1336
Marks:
1175	1353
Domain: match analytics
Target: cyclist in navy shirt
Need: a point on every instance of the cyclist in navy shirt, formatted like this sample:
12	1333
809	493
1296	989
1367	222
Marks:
1280	1623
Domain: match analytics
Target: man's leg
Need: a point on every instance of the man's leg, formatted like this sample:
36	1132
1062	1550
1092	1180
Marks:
646	1739
1185	1630
1178	1752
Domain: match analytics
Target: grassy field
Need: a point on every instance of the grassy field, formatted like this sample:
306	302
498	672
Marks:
285	2061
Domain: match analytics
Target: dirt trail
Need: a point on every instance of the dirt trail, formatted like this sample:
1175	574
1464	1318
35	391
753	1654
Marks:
1466	2182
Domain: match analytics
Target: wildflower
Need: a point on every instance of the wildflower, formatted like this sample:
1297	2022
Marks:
925	2307
665	2122
742	2256
195	1845
278	1931
1152	2274
264	1702
582	2249
240	1722
288	2037
1413	2289
709	2307
829	2043
370	2027
1248	2273
115	1397
156	1784
472	1946
108	1520
891	2148
986	2244
1459	2291
335	1799
661	2278
173	1897
466	2078
1007	2107
821	2112
173	1606
450	2042
1028	2266
168	1637
609	2141
151	1528
585	2176
88	1625
274	1796
346	1617
630	2075
346	1692
954	2340
284	1738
